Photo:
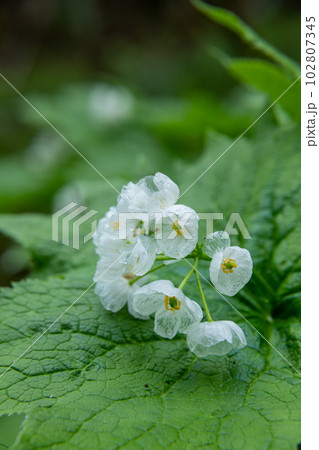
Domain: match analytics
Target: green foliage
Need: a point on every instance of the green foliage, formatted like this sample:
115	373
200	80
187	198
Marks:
95	374
268	78
101	380
229	20
273	79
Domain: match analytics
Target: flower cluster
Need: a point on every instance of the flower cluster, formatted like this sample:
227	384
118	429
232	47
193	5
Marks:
147	226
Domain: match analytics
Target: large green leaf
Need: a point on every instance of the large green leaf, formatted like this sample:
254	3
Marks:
98	380
229	20
102	380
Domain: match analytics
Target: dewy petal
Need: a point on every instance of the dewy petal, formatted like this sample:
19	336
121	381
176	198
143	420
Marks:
136	255
150	244
130	228
216	242
113	248
139	260
108	268
230	283
133	311
150	194
190	313
165	194
167	322
215	338
179	231
132	199
107	227
214	267
150	297
113	293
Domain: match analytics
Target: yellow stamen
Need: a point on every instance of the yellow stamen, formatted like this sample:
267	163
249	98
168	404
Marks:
139	229
176	227
228	265
172	304
115	225
129	276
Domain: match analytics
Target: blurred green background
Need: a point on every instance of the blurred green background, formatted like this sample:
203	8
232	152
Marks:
127	83
124	82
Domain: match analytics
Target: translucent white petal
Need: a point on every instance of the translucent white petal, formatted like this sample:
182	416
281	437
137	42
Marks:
149	244
116	291
107	226
132	199
179	231
109	267
113	293
216	242
110	246
215	338
139	260
167	322
150	297
215	267
230	283
190	313
133	311
152	193
165	194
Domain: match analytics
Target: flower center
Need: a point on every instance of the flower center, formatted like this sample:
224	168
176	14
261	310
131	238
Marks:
115	225
139	229
228	265
172	304
176	227
129	276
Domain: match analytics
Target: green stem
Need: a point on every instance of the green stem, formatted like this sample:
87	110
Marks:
193	255
203	257
209	317
164	258
150	271
187	276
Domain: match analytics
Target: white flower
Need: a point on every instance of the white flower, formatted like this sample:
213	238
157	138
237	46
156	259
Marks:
135	250
172	229
152	193
179	231
114	288
152	224
107	227
215	338
140	259
174	312
231	267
